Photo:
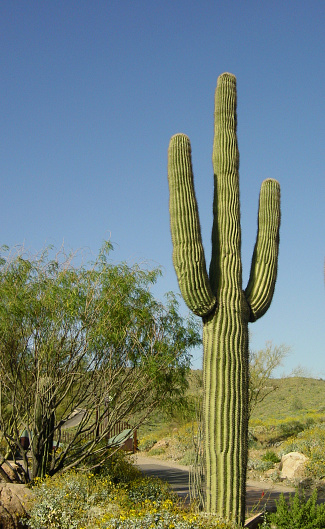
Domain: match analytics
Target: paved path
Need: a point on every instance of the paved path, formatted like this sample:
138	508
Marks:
259	494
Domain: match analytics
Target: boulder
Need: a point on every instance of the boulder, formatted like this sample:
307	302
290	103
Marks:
292	466
15	500
12	470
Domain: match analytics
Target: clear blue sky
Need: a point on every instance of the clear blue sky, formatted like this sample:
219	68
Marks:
92	91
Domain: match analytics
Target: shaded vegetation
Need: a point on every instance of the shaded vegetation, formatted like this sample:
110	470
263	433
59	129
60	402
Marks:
117	497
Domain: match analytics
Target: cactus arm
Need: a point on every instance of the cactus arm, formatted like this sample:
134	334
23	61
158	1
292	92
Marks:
188	253
260	288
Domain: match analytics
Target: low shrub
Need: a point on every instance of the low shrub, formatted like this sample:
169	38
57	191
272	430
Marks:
272	431
151	489
147	442
259	465
67	501
298	513
189	458
271	457
119	469
75	500
157	451
166	519
292	427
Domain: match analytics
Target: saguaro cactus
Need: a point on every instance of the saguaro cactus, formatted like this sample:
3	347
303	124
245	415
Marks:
218	297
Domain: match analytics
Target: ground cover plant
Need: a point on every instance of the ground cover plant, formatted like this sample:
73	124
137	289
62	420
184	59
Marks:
120	497
117	497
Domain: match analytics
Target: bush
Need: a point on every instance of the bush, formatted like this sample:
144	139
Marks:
67	501
259	465
75	500
291	427
271	431
157	451
166	519
297	514
189	458
146	443
151	489
270	456
119	469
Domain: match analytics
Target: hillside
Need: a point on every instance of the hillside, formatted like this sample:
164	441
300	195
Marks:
294	397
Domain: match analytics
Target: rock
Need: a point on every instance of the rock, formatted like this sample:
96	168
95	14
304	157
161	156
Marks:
15	500
292	466
10	468
273	473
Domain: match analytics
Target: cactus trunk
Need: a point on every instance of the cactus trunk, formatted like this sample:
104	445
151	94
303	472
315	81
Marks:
225	372
219	298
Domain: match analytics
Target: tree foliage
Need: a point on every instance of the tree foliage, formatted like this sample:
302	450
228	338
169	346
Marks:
87	338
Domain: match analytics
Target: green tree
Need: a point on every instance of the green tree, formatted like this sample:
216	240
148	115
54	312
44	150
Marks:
90	339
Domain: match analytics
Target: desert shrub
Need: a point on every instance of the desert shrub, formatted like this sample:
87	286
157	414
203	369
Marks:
147	442
119	469
272	431
270	456
291	427
151	489
78	501
67	501
187	442
297	514
253	442
189	457
166	519
259	465
157	451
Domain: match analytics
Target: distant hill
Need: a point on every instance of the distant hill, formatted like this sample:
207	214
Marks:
294	398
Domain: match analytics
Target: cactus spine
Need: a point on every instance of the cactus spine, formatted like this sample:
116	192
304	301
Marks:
218	297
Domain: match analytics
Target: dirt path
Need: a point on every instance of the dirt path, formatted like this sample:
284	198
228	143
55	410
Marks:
259	494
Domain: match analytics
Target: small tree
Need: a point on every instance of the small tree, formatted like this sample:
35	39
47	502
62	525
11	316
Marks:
262	364
88	339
